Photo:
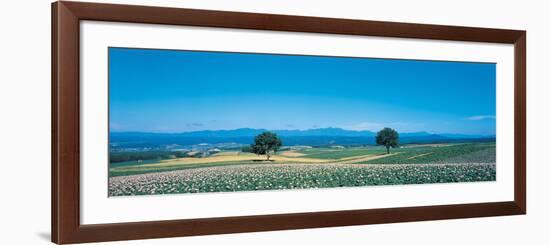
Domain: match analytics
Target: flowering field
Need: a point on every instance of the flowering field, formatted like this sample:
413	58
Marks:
296	176
309	168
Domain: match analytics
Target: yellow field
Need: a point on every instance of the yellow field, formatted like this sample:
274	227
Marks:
231	157
236	157
292	154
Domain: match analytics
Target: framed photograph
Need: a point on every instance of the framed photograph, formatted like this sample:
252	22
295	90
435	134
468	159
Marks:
177	122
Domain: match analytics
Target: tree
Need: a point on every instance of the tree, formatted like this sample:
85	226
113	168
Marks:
388	138
266	143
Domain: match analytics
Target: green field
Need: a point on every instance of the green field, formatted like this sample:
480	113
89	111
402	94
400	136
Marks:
329	153
230	171
460	153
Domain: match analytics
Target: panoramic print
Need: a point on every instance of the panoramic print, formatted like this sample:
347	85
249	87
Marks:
201	121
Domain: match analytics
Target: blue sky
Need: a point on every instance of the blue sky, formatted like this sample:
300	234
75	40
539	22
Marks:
177	91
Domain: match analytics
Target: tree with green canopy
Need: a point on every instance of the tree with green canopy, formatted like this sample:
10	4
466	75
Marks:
387	137
266	143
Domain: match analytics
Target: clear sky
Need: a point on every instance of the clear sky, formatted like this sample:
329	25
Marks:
177	91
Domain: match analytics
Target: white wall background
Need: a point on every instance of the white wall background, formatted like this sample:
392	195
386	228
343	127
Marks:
25	123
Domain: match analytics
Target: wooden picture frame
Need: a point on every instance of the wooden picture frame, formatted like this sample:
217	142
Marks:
65	174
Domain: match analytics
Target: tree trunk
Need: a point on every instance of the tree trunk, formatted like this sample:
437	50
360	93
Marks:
388	149
267	154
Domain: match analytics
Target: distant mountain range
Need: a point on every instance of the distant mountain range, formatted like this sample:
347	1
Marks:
314	137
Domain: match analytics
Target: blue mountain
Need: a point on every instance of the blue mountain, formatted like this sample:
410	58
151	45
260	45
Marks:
314	137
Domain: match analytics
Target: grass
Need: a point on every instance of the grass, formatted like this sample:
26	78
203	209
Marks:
459	153
114	172
324	153
132	168
311	168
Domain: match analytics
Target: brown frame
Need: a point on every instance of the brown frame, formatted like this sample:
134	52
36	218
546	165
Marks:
65	175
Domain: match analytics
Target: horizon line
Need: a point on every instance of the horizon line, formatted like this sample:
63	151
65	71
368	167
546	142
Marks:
303	130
